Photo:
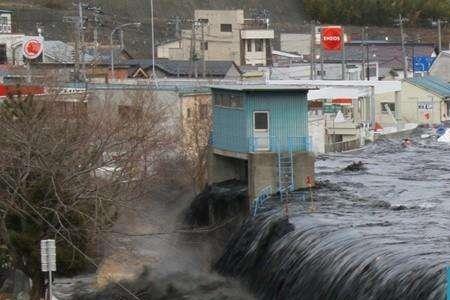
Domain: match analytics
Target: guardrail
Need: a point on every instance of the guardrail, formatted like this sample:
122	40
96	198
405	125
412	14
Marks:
299	144
343	146
262	197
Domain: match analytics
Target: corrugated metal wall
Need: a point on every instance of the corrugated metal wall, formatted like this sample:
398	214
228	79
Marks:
230	129
288	115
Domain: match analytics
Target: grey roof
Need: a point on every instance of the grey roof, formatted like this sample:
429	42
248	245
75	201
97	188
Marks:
184	67
263	88
387	54
104	55
432	84
61	52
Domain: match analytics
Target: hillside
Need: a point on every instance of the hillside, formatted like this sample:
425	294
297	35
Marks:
49	14
286	16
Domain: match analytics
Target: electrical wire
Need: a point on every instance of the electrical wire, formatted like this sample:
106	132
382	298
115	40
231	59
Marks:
87	257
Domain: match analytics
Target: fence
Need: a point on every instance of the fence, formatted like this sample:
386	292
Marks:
343	146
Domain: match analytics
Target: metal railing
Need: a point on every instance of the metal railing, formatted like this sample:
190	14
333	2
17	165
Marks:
261	144
343	146
300	144
262	197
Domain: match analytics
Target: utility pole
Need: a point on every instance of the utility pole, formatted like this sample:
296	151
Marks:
312	75
176	21
344	54
96	11
400	22
193	65
438	23
439	35
203	49
367	54
363	42
153	40
81	39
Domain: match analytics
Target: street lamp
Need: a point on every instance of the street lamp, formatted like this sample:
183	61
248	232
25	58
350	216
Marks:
153	40
120	27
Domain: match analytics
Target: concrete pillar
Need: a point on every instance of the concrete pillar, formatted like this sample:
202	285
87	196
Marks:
303	168
398	115
262	172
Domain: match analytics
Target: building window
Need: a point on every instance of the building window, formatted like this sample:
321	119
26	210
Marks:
236	101
203	21
226	28
203	111
3	58
5	26
386	105
188	113
204	46
319	73
261	121
249	45
259	44
229	101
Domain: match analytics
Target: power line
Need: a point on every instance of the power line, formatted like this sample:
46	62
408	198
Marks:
87	257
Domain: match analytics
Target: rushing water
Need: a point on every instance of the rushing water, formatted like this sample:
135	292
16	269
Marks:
381	233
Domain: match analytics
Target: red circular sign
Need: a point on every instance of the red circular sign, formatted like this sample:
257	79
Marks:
332	38
32	48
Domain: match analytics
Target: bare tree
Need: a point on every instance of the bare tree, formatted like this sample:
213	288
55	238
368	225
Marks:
196	128
65	169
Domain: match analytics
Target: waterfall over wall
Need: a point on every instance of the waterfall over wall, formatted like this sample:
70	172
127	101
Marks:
314	261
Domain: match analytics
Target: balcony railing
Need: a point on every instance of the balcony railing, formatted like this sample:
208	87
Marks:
262	144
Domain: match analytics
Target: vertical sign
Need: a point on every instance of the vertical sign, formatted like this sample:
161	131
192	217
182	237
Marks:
48	261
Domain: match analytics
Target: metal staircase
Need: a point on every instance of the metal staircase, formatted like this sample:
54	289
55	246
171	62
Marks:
285	173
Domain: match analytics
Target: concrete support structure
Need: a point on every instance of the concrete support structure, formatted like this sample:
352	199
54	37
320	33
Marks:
222	168
260	171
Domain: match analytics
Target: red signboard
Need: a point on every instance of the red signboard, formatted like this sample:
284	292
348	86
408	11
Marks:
342	101
332	38
32	48
25	90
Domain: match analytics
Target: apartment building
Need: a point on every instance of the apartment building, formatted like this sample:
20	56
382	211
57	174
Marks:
222	35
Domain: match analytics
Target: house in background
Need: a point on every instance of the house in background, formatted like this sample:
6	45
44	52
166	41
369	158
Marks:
441	66
388	56
260	136
425	100
227	35
165	68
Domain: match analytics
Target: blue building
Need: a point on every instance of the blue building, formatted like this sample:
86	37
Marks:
260	134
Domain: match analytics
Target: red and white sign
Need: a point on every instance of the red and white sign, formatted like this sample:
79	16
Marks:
32	47
332	38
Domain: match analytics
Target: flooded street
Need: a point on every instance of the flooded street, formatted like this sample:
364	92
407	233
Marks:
379	233
401	198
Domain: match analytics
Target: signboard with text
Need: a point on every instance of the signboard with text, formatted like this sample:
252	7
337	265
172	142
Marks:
332	38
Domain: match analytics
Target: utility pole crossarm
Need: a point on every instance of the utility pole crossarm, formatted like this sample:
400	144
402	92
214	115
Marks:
401	20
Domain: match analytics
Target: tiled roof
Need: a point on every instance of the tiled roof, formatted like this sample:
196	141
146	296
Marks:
432	84
183	67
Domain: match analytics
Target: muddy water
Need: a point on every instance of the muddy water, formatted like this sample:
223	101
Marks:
382	233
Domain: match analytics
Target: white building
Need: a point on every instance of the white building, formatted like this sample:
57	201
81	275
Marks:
223	35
